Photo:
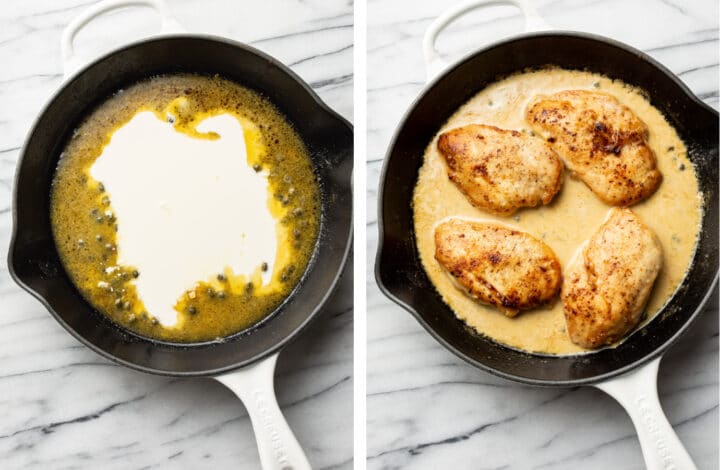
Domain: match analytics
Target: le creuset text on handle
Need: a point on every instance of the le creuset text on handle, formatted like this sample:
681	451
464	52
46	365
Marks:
637	393
277	445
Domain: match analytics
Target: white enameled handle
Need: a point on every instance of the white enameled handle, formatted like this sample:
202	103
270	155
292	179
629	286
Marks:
637	393
434	64
72	62
277	445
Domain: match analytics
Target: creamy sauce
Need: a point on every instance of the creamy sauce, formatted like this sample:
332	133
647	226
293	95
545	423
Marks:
185	208
673	212
163	228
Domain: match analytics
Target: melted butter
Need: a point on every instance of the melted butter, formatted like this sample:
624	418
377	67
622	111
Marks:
232	289
673	212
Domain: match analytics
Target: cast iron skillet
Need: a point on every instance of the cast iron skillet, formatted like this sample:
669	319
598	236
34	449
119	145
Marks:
399	271
33	257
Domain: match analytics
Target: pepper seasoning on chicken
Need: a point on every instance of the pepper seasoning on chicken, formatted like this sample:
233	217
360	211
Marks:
609	279
497	265
602	141
500	170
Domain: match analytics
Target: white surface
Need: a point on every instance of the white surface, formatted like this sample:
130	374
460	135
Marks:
163	186
427	409
65	407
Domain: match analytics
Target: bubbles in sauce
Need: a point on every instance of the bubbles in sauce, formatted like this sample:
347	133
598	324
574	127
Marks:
673	212
222	301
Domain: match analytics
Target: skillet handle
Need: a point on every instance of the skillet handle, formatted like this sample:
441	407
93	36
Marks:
434	64
278	447
637	393
72	62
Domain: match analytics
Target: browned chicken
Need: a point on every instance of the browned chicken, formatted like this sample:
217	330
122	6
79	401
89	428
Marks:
601	141
497	265
500	170
608	281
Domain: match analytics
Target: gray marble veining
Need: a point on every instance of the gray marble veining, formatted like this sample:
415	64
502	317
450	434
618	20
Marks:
64	407
426	408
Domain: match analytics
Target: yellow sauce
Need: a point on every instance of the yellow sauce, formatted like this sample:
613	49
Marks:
673	212
85	229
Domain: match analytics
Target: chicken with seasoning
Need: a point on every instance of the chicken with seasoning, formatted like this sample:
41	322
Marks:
602	141
500	170
497	265
608	281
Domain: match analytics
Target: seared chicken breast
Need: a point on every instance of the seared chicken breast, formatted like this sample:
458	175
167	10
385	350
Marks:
497	265
602	141
500	170
609	280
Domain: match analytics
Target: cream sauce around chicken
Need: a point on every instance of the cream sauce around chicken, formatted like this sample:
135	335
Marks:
673	212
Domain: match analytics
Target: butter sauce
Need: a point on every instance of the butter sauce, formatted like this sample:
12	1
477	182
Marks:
185	208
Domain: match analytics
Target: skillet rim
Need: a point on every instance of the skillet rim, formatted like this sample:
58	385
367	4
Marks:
322	107
379	270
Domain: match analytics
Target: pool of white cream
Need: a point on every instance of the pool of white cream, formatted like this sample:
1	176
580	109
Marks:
186	208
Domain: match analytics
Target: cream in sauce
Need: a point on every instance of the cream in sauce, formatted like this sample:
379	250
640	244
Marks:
169	192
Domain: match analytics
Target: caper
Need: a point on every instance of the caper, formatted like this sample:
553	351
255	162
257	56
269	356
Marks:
285	200
118	303
682	167
297	211
291	190
98	219
135	273
191	310
249	287
221	295
94	212
221	277
105	200
154	321
81	242
109	216
127	305
257	167
283	277
264	266
211	292
101	187
109	247
98	237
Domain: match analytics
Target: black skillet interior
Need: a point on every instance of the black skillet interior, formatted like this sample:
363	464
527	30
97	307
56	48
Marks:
34	261
400	273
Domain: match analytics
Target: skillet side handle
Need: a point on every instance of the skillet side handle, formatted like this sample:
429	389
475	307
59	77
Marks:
434	64
72	62
277	445
637	393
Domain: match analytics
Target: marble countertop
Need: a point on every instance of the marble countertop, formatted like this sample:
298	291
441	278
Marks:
428	409
64	407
